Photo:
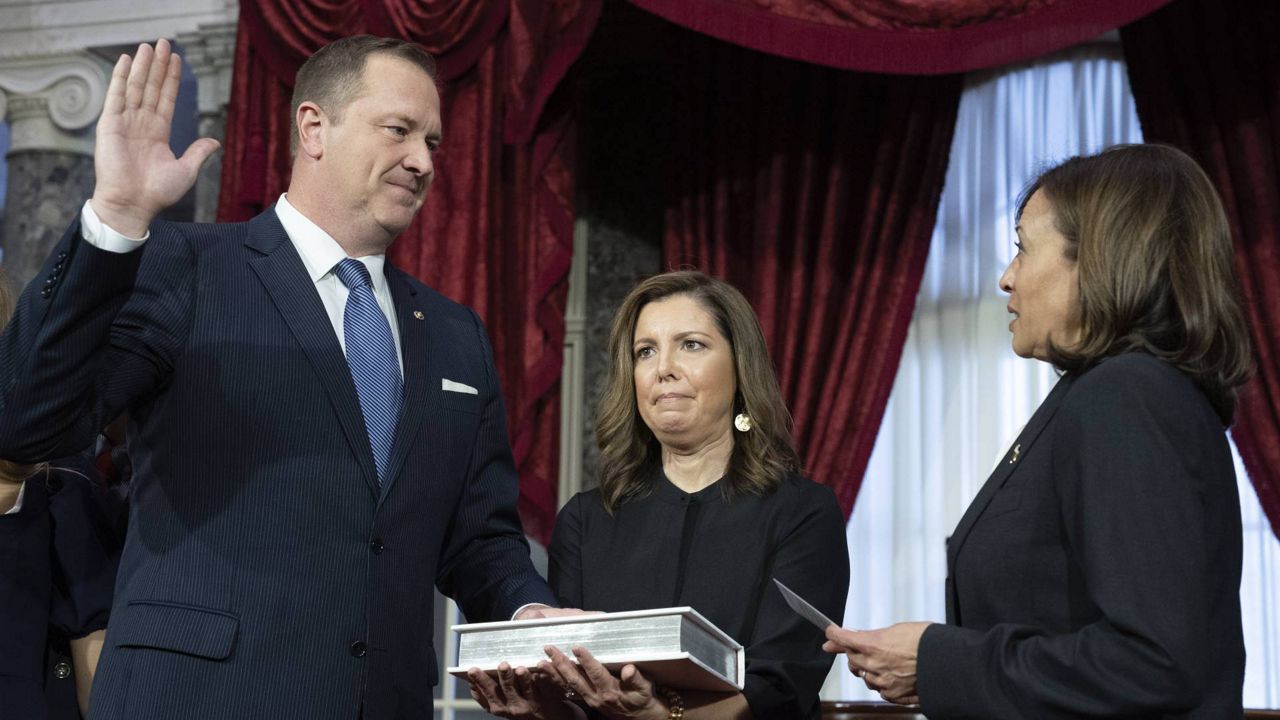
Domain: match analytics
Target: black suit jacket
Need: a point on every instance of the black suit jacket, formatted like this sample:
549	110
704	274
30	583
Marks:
1097	572
265	575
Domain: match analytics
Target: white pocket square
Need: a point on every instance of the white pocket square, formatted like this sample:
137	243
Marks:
450	386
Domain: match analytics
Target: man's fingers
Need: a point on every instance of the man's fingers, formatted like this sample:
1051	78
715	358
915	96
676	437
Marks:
198	153
114	104
169	90
155	75
138	70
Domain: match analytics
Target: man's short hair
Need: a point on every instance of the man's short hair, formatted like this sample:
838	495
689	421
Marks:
333	76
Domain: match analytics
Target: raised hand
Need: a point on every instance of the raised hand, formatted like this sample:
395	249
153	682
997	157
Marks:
137	174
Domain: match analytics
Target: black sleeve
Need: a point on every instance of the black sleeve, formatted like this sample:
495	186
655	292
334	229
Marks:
564	558
93	332
485	564
86	550
785	662
25	591
1125	451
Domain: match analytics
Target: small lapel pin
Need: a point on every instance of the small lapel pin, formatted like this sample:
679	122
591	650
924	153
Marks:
417	314
1016	450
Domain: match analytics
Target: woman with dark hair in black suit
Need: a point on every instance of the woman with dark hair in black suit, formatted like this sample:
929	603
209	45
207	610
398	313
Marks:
1097	572
60	538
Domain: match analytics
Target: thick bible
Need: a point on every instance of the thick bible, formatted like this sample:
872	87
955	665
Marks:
675	647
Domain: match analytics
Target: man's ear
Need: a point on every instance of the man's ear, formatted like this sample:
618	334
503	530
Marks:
312	123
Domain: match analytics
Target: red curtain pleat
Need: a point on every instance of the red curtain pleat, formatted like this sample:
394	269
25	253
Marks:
814	191
910	37
1208	81
496	232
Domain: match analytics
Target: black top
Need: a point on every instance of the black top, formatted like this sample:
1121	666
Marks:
1097	572
719	556
58	559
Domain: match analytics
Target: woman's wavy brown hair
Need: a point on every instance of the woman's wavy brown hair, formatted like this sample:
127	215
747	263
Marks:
630	455
1155	264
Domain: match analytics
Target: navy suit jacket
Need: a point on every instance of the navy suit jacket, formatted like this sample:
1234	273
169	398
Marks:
265	575
1097	572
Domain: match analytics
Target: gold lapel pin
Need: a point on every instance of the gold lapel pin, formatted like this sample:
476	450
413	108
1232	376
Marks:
1016	450
418	315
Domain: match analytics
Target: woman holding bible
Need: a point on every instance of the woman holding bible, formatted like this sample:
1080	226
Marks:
700	503
1097	572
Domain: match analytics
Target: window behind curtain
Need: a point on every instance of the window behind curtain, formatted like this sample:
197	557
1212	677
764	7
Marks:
961	395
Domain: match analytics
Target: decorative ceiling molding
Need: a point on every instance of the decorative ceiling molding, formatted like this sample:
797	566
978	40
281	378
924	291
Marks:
42	27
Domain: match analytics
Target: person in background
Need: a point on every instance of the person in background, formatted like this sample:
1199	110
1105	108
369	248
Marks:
700	503
59	551
1097	572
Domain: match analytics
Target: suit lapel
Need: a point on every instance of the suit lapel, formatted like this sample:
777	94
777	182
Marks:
285	277
1010	462
418	369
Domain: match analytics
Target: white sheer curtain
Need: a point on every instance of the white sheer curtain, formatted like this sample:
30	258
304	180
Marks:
961	394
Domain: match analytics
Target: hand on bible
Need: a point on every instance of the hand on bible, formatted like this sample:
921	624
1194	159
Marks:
520	694
629	696
136	173
534	612
884	659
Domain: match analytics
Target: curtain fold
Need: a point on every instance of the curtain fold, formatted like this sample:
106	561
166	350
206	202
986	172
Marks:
1208	82
915	37
496	231
814	192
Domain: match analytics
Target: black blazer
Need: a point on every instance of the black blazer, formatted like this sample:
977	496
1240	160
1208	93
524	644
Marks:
264	575
1097	572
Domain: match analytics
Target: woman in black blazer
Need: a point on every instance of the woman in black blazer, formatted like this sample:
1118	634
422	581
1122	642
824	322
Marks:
61	529
1097	572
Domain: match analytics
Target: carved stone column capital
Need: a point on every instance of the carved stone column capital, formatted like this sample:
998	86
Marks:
52	101
210	52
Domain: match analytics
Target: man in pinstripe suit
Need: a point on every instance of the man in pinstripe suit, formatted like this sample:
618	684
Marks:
289	517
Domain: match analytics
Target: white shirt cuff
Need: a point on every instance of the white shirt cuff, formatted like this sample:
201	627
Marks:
17	507
99	235
526	606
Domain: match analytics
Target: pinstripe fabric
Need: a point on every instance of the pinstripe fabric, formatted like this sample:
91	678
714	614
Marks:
250	568
371	353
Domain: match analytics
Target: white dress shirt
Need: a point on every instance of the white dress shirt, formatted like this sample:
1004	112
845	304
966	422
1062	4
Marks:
319	252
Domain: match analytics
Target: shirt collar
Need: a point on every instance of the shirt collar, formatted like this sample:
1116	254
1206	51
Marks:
319	251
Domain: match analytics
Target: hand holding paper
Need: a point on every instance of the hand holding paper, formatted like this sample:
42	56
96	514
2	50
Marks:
884	659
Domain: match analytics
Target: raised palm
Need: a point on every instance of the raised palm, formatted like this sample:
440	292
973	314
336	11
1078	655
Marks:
137	174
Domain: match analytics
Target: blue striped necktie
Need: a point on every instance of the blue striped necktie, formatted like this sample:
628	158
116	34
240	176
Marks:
371	354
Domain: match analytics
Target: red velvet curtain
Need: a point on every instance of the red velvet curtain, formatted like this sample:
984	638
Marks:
914	37
496	231
814	191
1206	79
